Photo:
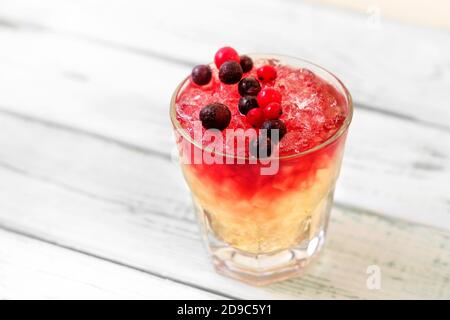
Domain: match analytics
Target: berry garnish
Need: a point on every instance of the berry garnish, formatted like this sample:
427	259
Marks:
261	147
230	72
272	111
255	117
268	95
266	73
215	116
246	63
249	87
225	54
247	103
201	74
277	124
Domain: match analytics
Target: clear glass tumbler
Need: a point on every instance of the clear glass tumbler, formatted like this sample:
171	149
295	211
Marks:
271	229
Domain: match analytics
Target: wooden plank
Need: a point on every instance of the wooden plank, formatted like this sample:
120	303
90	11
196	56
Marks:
133	208
72	83
409	77
31	269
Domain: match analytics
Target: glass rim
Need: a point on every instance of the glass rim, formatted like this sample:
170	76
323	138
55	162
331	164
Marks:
330	140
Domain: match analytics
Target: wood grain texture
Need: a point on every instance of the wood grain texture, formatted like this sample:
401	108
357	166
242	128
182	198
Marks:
75	85
134	209
31	269
410	66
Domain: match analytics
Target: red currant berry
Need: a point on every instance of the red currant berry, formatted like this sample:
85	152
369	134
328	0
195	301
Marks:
266	73
255	117
268	95
272	111
225	54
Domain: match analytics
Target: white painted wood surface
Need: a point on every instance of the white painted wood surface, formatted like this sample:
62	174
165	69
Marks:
85	152
32	269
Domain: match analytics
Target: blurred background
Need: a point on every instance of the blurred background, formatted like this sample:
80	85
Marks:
418	12
92	203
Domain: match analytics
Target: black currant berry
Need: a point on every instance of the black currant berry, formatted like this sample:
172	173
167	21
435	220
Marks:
246	64
230	72
247	103
215	116
277	124
201	74
249	87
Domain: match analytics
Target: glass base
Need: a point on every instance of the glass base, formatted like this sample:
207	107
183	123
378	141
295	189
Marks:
264	269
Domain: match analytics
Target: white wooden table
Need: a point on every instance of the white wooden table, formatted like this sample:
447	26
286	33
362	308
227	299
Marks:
92	206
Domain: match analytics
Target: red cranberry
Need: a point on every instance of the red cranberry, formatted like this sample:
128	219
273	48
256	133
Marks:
246	63
225	54
215	116
255	117
272	111
266	73
201	74
249	87
230	72
268	95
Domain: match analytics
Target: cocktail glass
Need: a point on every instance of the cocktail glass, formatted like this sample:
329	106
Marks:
262	228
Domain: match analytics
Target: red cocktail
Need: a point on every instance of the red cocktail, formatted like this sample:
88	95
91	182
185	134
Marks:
261	226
